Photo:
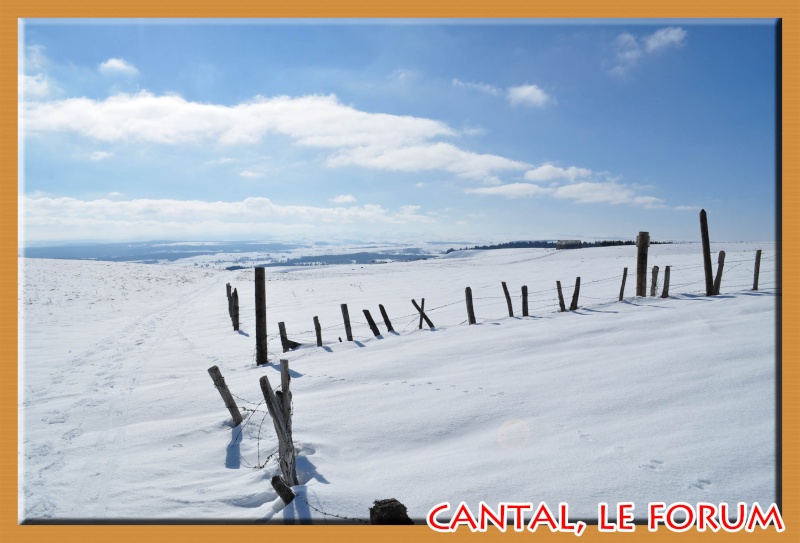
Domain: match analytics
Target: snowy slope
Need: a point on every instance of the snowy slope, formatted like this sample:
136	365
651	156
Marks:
649	399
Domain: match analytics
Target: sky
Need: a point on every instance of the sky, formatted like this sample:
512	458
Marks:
396	131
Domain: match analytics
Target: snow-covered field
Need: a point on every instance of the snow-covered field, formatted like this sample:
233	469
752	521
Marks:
647	400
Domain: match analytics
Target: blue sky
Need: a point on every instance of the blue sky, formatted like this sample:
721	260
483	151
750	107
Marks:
396	131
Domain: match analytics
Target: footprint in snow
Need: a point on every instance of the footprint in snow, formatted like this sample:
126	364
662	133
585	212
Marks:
702	483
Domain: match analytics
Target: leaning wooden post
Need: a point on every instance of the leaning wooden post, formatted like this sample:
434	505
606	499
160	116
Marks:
386	320
286	343
654	282
346	317
275	406
219	382
318	330
574	305
508	300
560	297
282	489
422	314
758	266
371	323
470	309
524	301
665	292
642	243
706	253
622	288
235	317
718	278
261	317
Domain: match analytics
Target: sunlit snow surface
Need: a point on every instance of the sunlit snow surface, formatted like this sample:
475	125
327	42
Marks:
646	400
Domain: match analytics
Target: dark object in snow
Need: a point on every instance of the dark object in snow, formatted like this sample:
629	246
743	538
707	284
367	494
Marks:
282	489
389	511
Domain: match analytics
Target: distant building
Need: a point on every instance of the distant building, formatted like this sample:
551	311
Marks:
569	244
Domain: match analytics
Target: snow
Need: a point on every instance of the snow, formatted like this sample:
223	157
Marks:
646	400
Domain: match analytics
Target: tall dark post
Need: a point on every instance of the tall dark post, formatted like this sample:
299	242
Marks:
574	305
261	317
622	288
371	323
524	301
560	297
654	281
318	330
706	253
235	309
346	317
386	320
470	310
758	267
642	243
720	265
508	299
665	291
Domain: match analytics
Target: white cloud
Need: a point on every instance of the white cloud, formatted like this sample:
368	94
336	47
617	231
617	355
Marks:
512	190
547	172
34	86
35	58
118	66
343	199
666	37
100	155
606	192
687	208
52	218
528	95
630	51
480	87
402	75
249	174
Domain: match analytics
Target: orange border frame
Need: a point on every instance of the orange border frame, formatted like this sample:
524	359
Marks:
12	10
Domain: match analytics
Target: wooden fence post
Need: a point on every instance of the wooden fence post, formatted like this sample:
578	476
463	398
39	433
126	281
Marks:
665	291
758	266
622	288
346	317
371	323
282	489
560	297
470	310
508	300
718	278
422	315
280	411
235	317
654	282
286	343
642	243
524	301
386	320
261	316
230	299
219	382
574	305
706	253
318	331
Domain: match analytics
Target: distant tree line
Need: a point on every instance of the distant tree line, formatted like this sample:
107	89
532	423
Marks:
549	245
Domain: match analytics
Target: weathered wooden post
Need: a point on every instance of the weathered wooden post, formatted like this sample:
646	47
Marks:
371	323
286	494
642	243
718	278
346	316
470	310
622	288
280	411
318	330
261	316
386	320
230	299
286	343
422	315
508	300
665	292
235	317
524	301
654	282
755	272
574	305
219	382
560	297
706	253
